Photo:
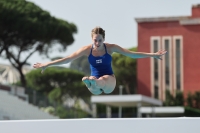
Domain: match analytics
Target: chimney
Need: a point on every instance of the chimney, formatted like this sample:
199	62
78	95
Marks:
196	11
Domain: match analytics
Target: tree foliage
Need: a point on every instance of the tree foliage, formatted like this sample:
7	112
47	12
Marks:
25	29
125	71
56	82
177	100
193	99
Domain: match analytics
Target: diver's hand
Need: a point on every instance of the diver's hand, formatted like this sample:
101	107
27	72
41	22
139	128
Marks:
159	54
41	65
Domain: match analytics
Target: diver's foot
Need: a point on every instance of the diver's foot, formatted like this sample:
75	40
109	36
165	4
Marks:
86	81
93	81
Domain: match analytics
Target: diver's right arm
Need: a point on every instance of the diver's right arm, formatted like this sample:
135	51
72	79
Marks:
82	51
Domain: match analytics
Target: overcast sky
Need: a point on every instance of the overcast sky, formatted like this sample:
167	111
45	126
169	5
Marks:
116	17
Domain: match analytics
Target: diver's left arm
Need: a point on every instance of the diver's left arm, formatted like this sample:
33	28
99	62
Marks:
132	54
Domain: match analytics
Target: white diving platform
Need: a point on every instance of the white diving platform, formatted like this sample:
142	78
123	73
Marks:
126	100
120	101
106	125
174	111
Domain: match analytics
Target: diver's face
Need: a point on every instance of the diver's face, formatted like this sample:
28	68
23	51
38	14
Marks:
97	40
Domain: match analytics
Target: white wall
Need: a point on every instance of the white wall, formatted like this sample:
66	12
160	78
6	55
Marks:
109	125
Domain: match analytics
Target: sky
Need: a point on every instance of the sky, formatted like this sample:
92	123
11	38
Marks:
116	17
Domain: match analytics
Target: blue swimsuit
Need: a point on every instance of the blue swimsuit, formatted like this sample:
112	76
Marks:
100	65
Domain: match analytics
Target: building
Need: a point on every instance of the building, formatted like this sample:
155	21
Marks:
10	75
14	108
180	67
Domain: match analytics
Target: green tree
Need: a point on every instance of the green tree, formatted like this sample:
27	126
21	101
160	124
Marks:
193	99
189	100
169	99
177	100
56	82
26	29
125	72
197	99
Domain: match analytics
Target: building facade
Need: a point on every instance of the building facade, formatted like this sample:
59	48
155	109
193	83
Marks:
180	67
10	75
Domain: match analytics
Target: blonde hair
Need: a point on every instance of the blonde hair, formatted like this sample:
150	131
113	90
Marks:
98	30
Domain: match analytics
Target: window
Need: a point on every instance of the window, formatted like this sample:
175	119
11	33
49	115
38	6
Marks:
155	46
166	74
167	63
178	75
155	65
156	92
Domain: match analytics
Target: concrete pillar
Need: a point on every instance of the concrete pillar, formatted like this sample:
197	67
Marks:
120	108
108	112
153	112
94	110
138	110
120	112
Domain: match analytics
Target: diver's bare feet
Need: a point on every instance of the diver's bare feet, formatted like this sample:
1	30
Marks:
92	80
86	81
